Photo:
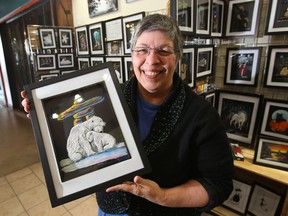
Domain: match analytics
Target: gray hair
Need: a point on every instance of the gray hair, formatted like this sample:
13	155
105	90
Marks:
163	23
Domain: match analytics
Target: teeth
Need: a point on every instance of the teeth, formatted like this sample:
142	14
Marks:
151	73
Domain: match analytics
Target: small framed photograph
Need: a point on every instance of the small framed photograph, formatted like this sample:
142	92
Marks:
65	36
83	62
211	98
276	74
271	153
96	38
67	71
82	41
187	66
243	18
277	22
217	16
238	113
46	62
264	202
99	7
129	24
203	17
204	61
117	64
96	60
239	197
242	66
128	66
275	119
114	48
65	60
48	76
47	38
85	134
113	29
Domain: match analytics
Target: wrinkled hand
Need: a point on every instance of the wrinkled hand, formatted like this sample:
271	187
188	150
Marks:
144	188
25	103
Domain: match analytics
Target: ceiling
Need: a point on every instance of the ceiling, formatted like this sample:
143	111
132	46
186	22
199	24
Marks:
10	8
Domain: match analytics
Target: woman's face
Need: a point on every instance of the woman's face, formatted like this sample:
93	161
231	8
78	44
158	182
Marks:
154	70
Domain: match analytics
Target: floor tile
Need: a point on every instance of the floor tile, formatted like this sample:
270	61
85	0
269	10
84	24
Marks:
6	192
18	174
11	207
87	208
38	170
45	209
27	182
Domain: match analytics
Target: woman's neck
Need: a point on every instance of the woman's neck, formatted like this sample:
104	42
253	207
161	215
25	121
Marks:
156	98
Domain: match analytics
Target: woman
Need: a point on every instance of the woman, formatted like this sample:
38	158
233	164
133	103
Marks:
187	147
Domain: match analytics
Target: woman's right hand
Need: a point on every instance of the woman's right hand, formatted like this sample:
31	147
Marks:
25	103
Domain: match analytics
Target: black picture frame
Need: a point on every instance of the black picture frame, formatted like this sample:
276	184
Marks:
203	17
82	40
47	38
204	60
65	60
129	24
55	119
96	38
100	7
128	66
115	48
239	114
187	66
217	17
46	61
276	22
117	64
83	62
65	36
243	18
95	60
113	29
242	66
277	67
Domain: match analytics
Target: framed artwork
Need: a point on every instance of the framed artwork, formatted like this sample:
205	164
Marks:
113	29
65	60
211	98
115	48
217	16
46	62
128	66
275	119
67	71
187	66
65	36
243	18
48	76
82	41
277	21
96	60
129	24
96	38
242	66
276	74
69	119
204	61
271	153
183	12
117	64
83	62
238	113
239	197
264	202
99	7
47	38
203	17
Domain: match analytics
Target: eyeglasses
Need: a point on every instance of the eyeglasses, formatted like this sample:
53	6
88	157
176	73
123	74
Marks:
145	51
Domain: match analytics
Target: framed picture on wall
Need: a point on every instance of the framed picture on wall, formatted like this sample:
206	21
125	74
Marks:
46	62
187	66
117	63
48	76
83	62
65	60
238	199
82	41
96	60
204	60
47	38
99	7
115	48
184	13
129	25
264	202
203	17
65	36
211	97
275	119
217	16
128	66
242	66
271	153
67	115
239	112
276	74
96	38
277	21
113	29
243	18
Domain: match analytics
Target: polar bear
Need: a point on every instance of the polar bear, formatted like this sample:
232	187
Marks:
77	144
102	141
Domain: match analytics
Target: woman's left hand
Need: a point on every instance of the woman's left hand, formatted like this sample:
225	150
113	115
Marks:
141	187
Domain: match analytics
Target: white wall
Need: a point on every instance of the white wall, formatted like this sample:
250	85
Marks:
81	15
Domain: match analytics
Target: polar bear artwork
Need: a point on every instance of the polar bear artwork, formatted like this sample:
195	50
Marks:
78	146
101	141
